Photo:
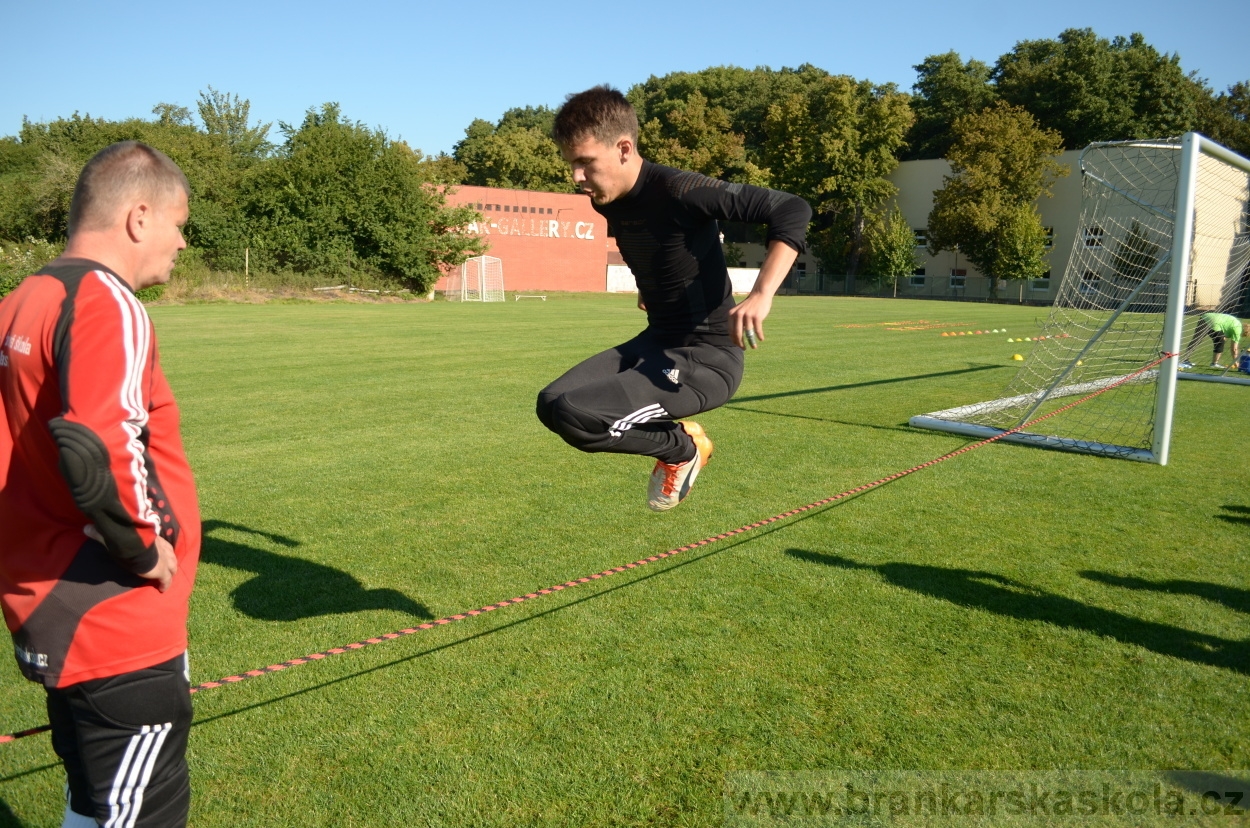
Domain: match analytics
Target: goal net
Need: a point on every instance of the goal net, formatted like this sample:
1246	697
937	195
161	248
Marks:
1163	238
479	279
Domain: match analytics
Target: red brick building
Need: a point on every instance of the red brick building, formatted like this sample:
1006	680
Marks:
546	241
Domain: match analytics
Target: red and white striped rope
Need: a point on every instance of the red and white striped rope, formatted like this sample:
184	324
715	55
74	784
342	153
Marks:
531	596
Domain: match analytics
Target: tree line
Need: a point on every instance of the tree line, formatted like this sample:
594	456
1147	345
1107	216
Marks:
331	196
834	140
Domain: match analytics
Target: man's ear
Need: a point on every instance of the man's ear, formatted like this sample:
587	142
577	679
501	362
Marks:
626	149
137	221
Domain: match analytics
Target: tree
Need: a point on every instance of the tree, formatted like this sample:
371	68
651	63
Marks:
1019	249
341	198
56	151
225	117
1001	163
744	95
443	169
946	88
834	144
696	136
891	246
1092	89
1225	117
517	153
168	114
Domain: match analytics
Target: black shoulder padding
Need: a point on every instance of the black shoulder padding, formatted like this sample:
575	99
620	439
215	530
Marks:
84	463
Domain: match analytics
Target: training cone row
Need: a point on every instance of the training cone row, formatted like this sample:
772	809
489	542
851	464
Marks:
972	333
1039	338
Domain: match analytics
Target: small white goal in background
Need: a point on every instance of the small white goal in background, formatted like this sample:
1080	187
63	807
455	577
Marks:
479	279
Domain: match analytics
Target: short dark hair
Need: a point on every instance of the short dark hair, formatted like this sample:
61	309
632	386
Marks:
600	112
118	172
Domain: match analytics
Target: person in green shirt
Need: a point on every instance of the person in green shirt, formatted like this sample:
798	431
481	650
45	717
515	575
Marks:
1219	326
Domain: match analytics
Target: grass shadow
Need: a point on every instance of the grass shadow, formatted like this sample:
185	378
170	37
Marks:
288	588
594	596
1223	786
8	819
1238	515
906	428
1234	598
867	383
1002	596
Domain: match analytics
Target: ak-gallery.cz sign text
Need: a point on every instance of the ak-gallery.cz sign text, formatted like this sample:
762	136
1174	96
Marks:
544	228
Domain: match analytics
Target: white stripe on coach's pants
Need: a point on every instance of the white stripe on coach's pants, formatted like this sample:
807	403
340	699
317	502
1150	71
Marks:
122	770
133	775
147	772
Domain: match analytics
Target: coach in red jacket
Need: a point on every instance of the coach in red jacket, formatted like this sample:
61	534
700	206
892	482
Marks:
99	524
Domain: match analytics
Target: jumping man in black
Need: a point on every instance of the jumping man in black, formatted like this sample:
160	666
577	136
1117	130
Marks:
629	399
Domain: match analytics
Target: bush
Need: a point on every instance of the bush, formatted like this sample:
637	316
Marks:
19	260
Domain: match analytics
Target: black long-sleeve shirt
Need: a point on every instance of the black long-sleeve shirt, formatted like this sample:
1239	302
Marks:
667	232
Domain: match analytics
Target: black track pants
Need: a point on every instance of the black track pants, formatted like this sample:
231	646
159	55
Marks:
123	740
627	398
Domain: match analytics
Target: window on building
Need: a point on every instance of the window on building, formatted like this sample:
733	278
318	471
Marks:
1093	236
917	277
1041	283
1089	282
958	277
921	236
1049	237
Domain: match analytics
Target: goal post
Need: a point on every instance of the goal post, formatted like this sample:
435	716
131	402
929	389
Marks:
1164	237
479	279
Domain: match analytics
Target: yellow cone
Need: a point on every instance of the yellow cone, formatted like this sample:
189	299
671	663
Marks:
1017	358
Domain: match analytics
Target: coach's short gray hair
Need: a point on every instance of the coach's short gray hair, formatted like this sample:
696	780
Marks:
116	174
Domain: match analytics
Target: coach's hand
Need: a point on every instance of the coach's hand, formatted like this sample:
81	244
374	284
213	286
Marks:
166	566
642	306
748	316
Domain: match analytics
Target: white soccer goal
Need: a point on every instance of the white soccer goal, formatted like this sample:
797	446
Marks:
479	279
1164	237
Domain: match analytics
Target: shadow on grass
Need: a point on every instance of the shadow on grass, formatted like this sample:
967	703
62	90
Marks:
287	588
665	570
867	383
1234	598
906	428
1240	515
1231	788
527	619
1012	599
8	819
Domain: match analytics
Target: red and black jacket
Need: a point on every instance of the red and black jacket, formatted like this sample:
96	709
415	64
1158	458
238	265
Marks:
89	437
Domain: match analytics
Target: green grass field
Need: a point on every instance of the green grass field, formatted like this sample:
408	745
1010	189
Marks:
363	468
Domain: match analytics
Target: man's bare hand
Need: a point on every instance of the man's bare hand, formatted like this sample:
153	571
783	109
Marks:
166	566
641	304
746	320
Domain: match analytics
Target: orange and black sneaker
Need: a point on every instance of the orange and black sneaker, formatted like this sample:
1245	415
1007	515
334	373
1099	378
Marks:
671	482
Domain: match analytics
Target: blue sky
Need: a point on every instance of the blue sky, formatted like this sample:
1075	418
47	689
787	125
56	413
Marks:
423	71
